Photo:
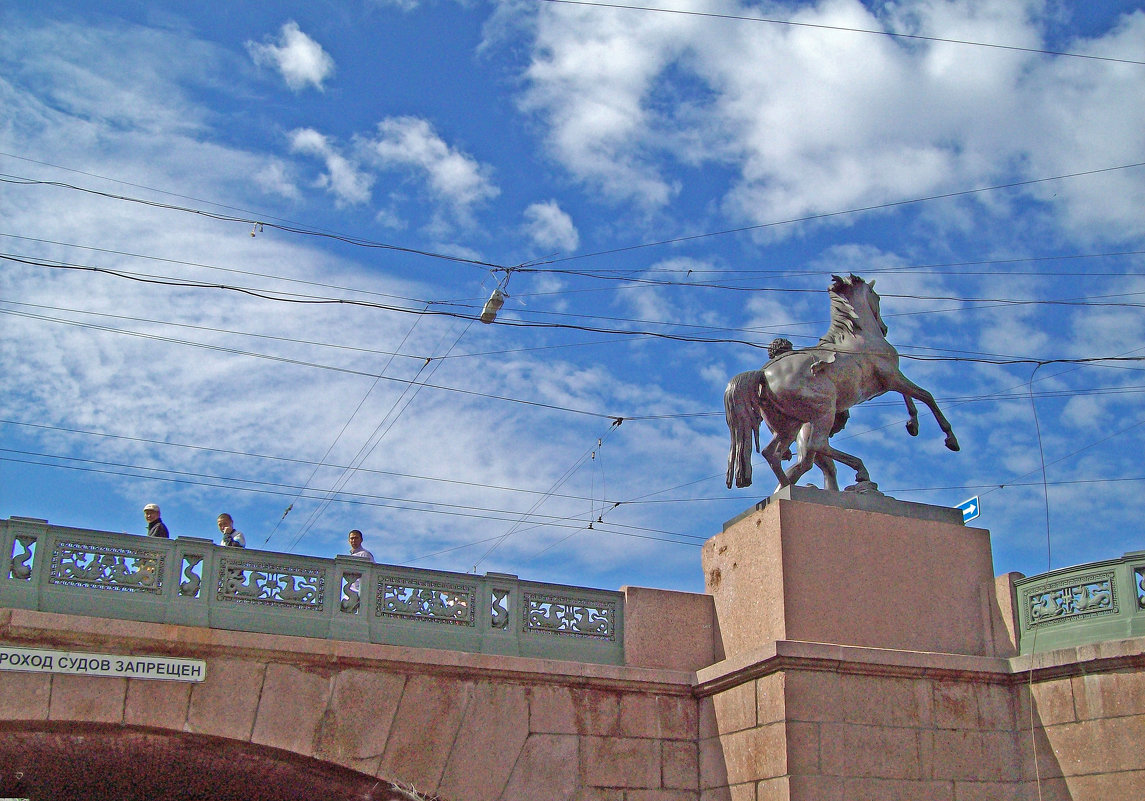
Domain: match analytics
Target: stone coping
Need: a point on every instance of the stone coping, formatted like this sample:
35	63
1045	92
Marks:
866	502
33	629
28	628
783	655
793	654
1100	657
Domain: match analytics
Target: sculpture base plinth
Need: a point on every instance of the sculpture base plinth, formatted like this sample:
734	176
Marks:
852	569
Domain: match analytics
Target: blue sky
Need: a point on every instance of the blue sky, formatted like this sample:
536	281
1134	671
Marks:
676	188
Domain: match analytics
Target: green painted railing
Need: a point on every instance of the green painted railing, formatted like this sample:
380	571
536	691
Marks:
192	581
1083	604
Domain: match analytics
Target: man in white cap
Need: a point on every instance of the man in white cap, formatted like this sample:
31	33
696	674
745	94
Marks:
155	525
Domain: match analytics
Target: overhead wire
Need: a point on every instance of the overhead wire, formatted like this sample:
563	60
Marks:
309	300
539	267
637	280
1000	361
721	232
146	472
281	226
1009	483
295	341
622	282
321	507
205	266
507	515
394	413
214	329
938	267
344	370
1011	394
358	499
557	484
154	443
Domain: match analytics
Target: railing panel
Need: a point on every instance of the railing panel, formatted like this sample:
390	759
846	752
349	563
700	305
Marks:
1083	604
21	547
558	620
104	574
274	593
427	608
192	581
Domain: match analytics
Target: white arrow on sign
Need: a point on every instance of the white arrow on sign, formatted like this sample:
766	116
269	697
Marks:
970	509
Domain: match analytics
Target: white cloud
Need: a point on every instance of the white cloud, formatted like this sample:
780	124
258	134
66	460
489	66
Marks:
588	79
452	177
342	178
152	387
300	59
810	121
274	178
79	71
402	5
551	227
1084	412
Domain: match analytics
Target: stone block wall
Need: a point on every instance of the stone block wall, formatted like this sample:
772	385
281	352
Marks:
1088	714
465	727
823	723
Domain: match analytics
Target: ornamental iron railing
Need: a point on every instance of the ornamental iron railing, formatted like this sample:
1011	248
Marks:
1082	605
192	581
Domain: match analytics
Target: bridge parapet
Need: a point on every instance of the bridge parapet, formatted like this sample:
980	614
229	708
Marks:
192	581
1082	605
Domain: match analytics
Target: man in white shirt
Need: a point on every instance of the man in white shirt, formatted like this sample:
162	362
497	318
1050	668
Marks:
356	548
231	538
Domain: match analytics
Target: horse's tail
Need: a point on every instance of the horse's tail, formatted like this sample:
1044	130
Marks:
742	411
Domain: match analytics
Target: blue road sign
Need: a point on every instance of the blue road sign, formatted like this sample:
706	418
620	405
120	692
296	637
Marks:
970	509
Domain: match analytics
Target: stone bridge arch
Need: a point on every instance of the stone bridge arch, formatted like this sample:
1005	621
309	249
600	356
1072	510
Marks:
77	761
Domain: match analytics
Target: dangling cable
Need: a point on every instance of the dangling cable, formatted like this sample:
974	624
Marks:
321	462
404	400
1049	566
557	485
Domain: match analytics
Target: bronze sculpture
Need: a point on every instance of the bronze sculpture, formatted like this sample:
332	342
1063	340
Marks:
804	394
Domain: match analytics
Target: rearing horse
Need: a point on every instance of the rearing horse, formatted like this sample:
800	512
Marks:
803	394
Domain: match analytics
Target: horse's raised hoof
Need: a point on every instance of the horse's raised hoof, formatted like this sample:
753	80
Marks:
952	442
912	427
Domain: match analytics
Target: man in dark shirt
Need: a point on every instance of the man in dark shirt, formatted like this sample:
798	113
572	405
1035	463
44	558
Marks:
155	525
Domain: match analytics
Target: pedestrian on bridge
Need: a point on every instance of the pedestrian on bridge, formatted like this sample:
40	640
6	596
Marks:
231	538
155	525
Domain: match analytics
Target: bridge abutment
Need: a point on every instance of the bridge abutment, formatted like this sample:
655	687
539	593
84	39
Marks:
847	648
871	654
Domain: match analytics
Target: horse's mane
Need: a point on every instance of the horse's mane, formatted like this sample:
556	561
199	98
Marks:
843	315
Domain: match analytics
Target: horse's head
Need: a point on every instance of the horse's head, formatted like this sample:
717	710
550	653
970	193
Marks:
861	297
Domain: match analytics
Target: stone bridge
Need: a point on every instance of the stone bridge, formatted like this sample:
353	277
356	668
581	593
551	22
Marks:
133	670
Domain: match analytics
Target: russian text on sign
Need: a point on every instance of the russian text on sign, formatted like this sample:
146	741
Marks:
130	667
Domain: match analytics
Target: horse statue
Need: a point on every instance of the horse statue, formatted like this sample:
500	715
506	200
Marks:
804	394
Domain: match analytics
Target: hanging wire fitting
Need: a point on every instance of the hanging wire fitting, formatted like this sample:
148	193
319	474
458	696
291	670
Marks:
496	299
